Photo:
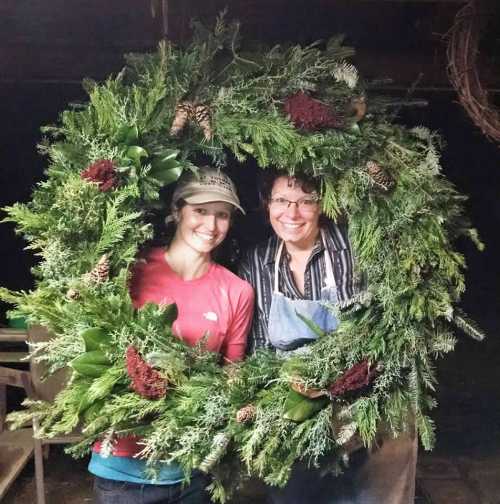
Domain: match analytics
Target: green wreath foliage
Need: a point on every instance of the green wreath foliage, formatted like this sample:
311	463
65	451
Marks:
403	242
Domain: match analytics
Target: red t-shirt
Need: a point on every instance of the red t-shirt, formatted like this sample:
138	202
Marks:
218	306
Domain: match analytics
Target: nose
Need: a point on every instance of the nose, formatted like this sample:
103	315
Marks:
292	210
210	222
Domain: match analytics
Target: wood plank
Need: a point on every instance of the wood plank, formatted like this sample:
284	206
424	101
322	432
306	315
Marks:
14	357
70	438
9	335
16	448
16	378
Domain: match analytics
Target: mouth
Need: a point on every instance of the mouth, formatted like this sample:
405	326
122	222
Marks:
206	237
291	226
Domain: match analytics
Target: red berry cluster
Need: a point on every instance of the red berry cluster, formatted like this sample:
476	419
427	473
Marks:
310	114
356	377
146	381
103	173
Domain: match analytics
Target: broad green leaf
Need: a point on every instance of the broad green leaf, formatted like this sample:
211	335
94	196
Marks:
299	408
136	153
127	134
95	338
93	363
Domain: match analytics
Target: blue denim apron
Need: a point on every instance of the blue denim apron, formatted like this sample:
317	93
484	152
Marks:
285	329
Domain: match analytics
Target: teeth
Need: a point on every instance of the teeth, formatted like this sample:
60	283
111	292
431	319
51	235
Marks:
205	236
291	226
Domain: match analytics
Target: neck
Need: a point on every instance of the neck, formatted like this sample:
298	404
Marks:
186	262
302	248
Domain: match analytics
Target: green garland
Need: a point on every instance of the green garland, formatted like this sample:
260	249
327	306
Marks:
402	234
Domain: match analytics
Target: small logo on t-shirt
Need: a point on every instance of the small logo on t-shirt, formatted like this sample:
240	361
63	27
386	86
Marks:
210	315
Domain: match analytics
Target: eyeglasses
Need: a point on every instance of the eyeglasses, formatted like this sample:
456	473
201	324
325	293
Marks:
306	204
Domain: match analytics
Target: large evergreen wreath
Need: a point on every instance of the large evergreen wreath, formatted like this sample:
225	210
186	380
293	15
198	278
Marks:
294	108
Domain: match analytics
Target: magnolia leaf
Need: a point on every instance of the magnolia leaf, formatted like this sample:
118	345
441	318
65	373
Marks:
94	338
127	134
166	176
166	168
299	408
93	363
136	153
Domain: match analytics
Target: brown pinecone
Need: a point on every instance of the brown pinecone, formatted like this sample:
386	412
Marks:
183	114
100	273
202	118
72	294
246	414
379	176
358	107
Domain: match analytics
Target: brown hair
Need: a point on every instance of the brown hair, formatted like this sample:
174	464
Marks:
269	177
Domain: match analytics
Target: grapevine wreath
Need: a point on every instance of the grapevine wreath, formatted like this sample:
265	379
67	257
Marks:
300	109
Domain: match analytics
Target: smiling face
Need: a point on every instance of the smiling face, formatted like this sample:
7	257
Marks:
296	226
203	227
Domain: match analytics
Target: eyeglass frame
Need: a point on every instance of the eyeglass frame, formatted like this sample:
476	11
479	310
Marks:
315	198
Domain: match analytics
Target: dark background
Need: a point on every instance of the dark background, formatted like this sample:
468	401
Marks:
47	47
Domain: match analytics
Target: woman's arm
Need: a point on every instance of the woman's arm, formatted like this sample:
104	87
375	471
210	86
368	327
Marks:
236	338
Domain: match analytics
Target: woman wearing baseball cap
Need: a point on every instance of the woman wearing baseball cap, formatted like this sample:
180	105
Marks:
212	303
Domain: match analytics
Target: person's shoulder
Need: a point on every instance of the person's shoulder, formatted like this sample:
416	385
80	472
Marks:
337	234
153	254
234	281
148	260
262	251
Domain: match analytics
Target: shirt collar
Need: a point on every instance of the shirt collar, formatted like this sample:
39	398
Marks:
335	239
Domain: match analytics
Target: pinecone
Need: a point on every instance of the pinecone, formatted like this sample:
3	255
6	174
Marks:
72	294
358	107
202	118
183	114
379	176
100	273
246	414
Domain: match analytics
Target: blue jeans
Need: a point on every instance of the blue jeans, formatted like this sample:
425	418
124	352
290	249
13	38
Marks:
122	492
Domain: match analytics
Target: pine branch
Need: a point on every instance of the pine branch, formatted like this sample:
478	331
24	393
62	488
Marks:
467	326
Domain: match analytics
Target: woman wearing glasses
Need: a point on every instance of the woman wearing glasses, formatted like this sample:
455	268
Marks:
306	262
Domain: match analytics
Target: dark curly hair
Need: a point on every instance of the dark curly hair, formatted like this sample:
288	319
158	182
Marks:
266	183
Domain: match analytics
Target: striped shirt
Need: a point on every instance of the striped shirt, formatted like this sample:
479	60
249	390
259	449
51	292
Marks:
257	268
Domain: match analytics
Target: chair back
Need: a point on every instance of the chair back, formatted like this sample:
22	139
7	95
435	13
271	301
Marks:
45	388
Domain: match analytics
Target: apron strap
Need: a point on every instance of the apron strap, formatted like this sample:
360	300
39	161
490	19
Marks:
277	266
330	277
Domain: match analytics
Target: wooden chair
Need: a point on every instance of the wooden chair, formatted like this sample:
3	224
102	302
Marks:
16	448
35	388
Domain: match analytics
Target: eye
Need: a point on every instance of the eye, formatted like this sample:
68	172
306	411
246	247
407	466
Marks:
308	202
280	201
223	215
200	210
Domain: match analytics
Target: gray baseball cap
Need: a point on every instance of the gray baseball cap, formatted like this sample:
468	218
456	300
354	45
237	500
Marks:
206	186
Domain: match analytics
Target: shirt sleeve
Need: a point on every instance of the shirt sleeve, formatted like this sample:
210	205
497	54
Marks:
247	269
234	349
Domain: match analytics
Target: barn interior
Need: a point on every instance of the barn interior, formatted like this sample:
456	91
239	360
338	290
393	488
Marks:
402	52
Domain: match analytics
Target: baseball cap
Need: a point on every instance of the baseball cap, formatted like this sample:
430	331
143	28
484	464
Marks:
206	186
